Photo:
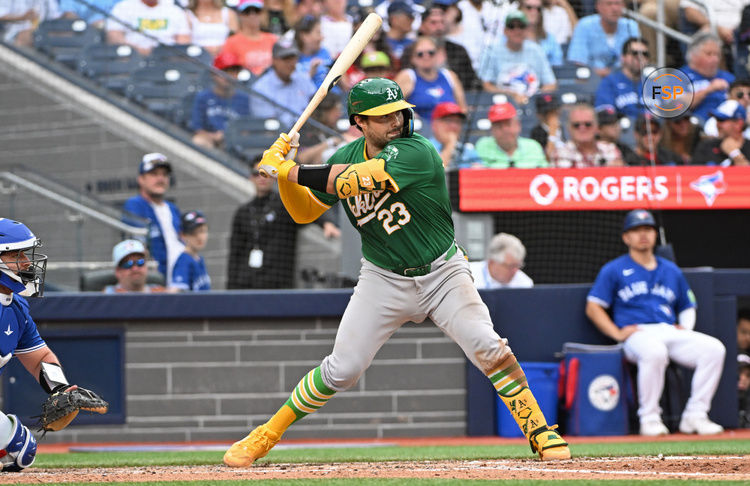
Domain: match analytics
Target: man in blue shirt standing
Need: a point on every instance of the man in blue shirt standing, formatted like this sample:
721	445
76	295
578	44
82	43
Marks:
598	39
162	216
653	315
214	108
284	84
623	88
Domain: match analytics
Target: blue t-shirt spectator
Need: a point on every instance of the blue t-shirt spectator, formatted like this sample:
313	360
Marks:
552	49
523	71
590	45
189	273
293	95
622	93
211	112
304	61
700	82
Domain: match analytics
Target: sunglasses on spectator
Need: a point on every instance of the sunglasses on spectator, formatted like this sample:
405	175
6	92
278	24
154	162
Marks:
128	264
741	94
538	8
429	53
587	124
515	25
637	52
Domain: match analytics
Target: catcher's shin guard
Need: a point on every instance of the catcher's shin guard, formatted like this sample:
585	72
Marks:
543	439
20	451
256	445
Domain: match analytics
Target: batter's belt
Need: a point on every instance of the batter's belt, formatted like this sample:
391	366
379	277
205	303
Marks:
425	269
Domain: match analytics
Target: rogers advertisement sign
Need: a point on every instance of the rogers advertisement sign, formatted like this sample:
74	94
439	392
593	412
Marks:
689	187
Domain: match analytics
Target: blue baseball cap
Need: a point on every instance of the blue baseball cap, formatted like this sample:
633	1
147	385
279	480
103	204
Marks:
153	161
191	220
638	217
729	110
400	7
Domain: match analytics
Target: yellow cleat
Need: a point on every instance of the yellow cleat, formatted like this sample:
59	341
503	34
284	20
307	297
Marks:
549	444
256	445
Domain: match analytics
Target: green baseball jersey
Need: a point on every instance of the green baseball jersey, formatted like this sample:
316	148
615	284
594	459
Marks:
408	227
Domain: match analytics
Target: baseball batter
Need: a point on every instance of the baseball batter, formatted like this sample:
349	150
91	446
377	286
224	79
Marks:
653	315
392	186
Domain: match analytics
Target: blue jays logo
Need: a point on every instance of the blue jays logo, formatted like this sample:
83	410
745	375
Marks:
522	80
710	186
642	215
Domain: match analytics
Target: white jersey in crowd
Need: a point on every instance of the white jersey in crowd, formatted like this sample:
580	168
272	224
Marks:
480	28
483	279
45	10
175	247
163	22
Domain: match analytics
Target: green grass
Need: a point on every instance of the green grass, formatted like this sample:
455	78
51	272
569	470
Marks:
391	453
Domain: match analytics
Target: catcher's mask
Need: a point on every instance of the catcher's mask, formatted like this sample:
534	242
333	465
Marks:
379	96
22	269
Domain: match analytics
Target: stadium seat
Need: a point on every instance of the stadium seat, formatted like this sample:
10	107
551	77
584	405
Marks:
247	136
63	39
180	52
481	101
160	88
110	65
96	280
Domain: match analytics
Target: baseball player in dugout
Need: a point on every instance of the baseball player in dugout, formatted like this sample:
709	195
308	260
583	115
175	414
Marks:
22	272
653	315
392	186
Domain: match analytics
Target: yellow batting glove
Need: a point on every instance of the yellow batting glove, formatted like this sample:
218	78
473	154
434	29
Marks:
273	164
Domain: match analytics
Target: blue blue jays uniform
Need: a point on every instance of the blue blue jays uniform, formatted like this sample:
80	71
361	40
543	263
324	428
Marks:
620	92
712	100
190	273
138	206
640	296
18	332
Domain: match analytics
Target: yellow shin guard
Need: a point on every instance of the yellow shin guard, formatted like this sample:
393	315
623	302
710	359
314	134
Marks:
530	419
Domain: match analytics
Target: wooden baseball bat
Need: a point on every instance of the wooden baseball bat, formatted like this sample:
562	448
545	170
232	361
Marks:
351	52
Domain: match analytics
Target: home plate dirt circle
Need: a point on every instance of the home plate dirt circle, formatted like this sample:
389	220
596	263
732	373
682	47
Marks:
726	468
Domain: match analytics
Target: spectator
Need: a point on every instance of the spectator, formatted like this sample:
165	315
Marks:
210	23
307	7
743	331
189	272
456	58
480	24
376	64
263	241
426	84
559	19
317	146
548	132
276	15
94	13
20	18
598	39
130	259
400	35
151	205
710	84
214	108
337	27
739	90
284	85
649	8
502	268
743	389
653	315
648	150
448	120
142	24
623	89
536	32
726	14
515	65
314	59
505	148
251	45
730	148
583	149
681	136
610	130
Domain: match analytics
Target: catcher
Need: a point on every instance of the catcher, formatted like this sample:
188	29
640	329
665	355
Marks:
22	273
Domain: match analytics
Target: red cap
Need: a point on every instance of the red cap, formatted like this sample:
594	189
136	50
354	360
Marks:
447	108
226	59
501	111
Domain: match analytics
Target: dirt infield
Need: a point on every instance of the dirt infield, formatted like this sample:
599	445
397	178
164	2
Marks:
735	468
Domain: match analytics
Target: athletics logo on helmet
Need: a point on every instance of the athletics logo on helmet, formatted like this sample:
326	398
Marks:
638	217
375	96
25	273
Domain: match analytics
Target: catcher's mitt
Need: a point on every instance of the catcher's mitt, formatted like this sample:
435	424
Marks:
62	407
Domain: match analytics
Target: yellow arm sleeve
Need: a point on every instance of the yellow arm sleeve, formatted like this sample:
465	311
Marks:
366	176
300	202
